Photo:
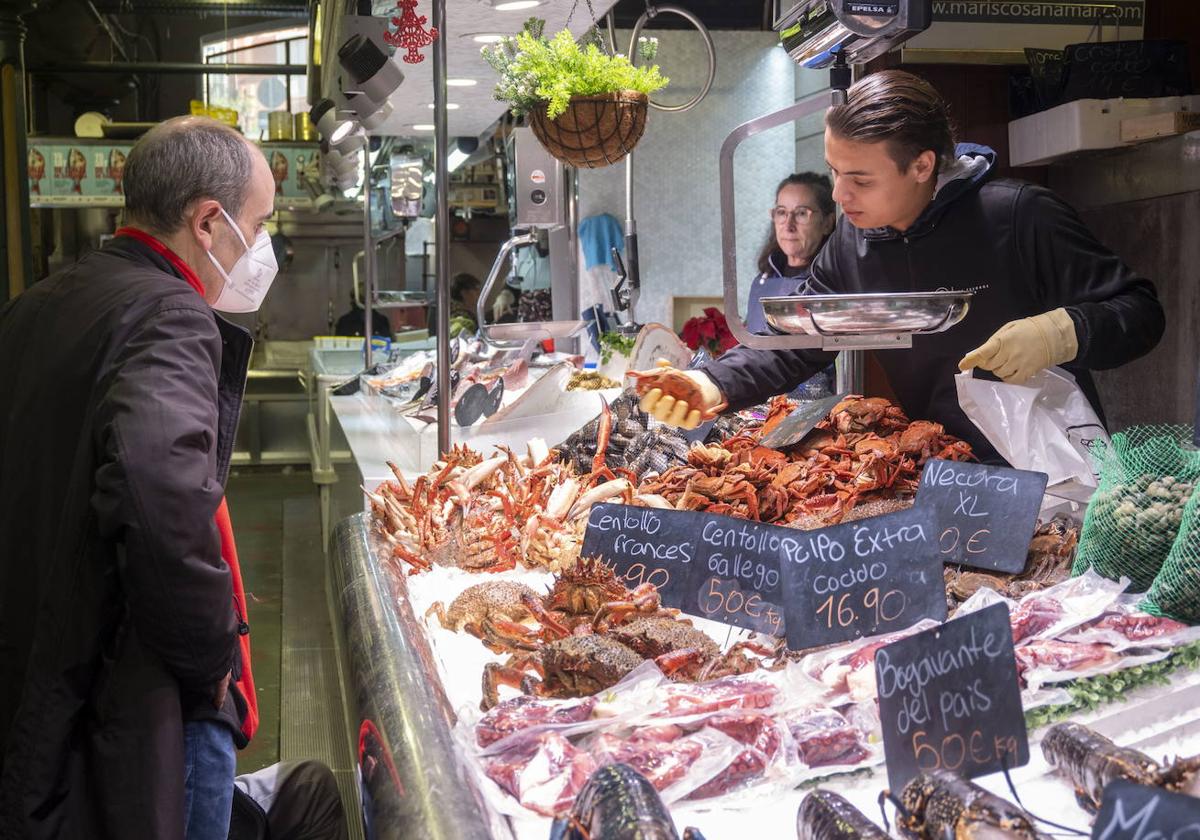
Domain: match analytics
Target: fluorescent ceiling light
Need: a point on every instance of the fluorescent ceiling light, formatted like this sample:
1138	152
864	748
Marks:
450	106
485	37
516	5
461	82
423	127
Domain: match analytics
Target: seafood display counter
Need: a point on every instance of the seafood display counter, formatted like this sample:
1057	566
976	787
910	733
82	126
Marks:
412	784
504	674
417	783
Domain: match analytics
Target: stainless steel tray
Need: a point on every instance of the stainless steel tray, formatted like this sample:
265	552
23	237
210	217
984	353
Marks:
524	330
867	314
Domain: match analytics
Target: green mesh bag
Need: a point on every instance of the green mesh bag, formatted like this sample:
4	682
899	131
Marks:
1175	592
1147	475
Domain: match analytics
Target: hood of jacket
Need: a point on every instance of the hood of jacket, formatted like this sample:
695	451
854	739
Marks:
973	165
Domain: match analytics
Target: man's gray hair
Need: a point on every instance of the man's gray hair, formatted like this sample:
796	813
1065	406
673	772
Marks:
180	161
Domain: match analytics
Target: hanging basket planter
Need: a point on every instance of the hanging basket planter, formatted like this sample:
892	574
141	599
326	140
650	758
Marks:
595	131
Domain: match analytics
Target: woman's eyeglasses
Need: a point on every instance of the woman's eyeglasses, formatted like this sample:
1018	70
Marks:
799	215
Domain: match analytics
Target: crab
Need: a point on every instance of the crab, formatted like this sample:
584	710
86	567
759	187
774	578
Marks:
701	659
666	383
477	608
576	666
866	414
582	589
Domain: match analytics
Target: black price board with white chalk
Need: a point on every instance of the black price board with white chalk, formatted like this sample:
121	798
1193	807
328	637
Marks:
645	545
985	515
862	578
738	578
816	587
737	584
949	699
1137	812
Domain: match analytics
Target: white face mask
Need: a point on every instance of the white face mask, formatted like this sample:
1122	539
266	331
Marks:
247	283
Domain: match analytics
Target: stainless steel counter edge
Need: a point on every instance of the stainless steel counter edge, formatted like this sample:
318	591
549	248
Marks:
413	782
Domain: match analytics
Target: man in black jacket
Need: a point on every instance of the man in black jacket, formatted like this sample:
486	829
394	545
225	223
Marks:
922	215
118	634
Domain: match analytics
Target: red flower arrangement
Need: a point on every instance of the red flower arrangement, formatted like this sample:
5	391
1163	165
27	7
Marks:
709	330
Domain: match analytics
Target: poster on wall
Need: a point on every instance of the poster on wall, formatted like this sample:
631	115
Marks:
74	172
294	166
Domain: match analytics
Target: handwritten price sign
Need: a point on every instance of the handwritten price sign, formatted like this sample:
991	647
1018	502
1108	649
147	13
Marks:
949	699
985	515
645	546
1137	812
861	579
815	587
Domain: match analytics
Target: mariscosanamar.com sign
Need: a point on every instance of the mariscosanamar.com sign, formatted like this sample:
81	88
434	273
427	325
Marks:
1125	12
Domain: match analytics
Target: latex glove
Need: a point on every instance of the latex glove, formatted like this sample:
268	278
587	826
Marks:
1022	348
683	398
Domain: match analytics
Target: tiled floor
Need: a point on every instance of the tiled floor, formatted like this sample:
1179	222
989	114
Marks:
276	520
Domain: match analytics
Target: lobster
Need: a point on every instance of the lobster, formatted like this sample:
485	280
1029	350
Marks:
1090	762
940	805
618	803
824	815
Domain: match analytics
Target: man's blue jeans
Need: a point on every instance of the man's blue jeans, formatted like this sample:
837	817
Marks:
210	764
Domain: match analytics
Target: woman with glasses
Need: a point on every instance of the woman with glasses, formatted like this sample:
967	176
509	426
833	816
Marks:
801	220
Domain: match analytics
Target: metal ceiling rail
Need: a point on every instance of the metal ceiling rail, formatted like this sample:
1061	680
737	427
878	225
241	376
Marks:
169	67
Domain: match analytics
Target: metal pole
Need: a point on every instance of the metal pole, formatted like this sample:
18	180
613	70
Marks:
850	370
368	263
170	67
15	241
441	226
632	266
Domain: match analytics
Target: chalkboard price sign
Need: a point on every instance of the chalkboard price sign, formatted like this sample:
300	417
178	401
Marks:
644	545
985	515
707	565
816	587
949	699
738	577
1137	812
863	578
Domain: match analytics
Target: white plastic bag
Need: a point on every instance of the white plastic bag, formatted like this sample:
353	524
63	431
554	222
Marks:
1046	425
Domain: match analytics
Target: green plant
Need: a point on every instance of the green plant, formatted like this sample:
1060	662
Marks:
538	72
612	342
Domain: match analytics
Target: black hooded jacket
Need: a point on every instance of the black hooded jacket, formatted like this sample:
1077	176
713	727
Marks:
1026	247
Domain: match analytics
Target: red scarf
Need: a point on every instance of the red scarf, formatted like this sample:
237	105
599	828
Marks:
166	253
224	526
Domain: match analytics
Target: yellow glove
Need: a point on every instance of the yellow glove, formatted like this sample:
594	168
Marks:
1022	348
683	398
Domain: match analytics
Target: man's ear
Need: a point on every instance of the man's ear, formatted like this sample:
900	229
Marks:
924	165
203	222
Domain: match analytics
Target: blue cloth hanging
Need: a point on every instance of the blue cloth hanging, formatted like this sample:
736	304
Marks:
598	235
